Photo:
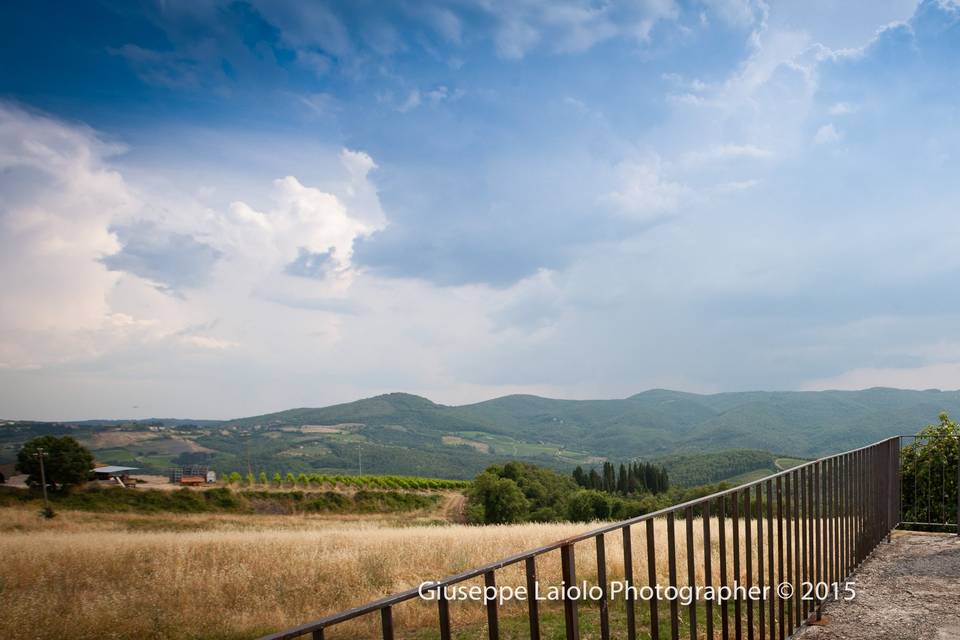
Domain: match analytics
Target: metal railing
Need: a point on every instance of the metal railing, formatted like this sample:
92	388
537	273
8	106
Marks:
819	521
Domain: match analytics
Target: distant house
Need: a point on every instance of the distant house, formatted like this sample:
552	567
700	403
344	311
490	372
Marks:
114	473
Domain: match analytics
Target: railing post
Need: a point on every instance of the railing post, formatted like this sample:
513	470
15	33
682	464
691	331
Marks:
735	508
602	581
691	571
533	606
386	622
628	577
493	623
651	580
569	569
672	575
708	565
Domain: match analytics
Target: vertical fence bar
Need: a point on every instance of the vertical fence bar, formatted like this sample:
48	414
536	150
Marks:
691	572
807	534
569	569
533	606
761	605
708	566
831	522
827	524
843	516
602	581
858	507
864	502
386	622
672	573
772	617
780	577
628	578
493	623
798	553
735	504
748	556
889	488
722	542
818	533
443	612
789	507
652	581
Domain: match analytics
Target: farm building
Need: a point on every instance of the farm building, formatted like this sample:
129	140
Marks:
114	473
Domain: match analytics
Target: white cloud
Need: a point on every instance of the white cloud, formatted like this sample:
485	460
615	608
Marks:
644	191
412	102
942	375
59	198
737	185
725	153
842	109
62	198
826	134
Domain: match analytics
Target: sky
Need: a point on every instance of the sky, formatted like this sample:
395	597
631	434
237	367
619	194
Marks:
215	209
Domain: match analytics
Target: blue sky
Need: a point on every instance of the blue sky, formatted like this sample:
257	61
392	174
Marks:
214	209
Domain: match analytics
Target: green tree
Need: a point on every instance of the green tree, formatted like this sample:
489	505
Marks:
495	500
263	478
235	477
928	469
65	461
277	479
588	504
290	480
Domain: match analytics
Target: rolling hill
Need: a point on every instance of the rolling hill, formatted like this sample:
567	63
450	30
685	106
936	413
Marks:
406	434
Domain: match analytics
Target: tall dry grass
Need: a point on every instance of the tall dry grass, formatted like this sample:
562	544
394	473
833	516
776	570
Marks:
231	581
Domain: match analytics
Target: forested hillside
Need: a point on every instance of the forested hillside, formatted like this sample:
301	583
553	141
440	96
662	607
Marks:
405	434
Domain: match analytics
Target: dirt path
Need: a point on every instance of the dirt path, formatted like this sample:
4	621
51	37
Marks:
454	507
908	590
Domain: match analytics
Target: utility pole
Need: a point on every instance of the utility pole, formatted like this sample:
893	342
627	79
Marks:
41	452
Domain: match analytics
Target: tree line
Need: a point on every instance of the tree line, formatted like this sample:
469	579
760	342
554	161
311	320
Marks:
523	492
630	479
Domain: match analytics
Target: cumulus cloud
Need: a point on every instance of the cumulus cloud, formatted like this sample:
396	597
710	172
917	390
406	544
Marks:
89	267
59	199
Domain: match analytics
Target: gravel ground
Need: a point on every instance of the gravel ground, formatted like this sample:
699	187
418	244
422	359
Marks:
907	590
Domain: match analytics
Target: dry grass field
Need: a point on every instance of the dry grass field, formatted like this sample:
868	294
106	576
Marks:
201	576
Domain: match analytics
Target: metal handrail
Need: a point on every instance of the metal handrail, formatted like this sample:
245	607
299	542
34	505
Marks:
808	472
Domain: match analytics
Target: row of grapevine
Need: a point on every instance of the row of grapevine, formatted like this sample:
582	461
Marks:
320	480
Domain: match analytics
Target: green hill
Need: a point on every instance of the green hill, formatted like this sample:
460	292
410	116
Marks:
399	433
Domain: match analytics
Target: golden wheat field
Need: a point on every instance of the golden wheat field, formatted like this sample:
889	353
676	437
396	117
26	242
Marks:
200	576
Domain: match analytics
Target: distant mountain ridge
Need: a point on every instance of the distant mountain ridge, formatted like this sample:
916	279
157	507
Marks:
408	434
659	421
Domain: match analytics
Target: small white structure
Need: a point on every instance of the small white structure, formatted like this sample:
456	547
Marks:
211	476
